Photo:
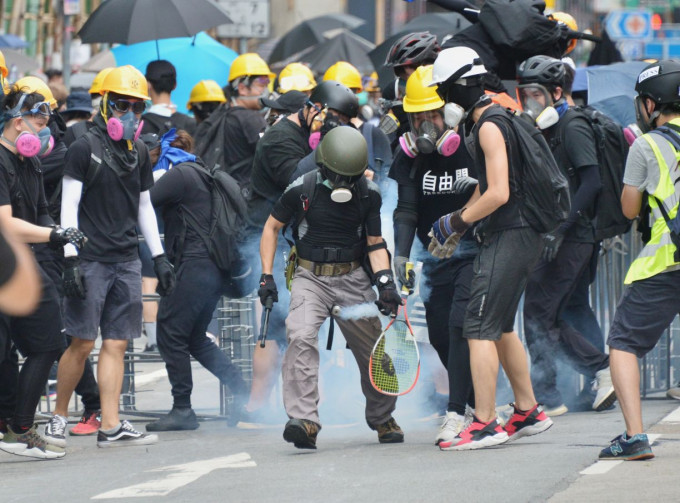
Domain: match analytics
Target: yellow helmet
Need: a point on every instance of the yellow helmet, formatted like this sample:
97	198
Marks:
249	64
296	77
419	96
372	83
346	74
127	81
206	90
3	66
96	86
568	19
36	85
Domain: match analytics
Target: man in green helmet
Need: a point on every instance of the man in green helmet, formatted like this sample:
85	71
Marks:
335	214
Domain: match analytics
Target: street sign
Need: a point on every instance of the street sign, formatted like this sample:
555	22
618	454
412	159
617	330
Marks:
71	7
631	50
629	24
668	49
251	19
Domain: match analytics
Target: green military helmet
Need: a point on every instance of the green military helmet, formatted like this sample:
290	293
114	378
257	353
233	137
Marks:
343	151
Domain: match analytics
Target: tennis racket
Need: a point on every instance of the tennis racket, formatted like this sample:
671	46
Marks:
394	365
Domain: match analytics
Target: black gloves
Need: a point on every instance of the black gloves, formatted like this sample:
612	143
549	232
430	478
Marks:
165	273
267	289
464	184
389	299
551	245
72	279
406	280
60	237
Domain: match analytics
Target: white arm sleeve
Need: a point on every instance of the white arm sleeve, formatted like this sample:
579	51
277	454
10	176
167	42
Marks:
146	220
71	190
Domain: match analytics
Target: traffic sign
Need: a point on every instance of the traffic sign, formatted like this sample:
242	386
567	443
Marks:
629	24
250	18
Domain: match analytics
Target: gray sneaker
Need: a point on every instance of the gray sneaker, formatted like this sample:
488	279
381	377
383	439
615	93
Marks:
30	444
126	435
55	430
674	392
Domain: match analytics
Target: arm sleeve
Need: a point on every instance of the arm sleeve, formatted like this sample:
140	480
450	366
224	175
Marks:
169	188
146	220
590	185
44	218
71	191
405	220
373	223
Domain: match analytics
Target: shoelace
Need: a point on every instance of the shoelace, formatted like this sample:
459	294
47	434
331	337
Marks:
57	426
126	426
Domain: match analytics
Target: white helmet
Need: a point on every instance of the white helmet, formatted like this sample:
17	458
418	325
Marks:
457	62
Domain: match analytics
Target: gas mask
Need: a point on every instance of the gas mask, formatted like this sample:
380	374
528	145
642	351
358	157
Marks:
340	185
388	123
644	121
323	122
537	104
127	127
425	136
33	143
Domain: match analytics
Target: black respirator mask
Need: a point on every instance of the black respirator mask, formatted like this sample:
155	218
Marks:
341	185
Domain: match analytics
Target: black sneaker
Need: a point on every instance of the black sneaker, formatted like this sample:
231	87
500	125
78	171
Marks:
175	420
301	433
389	432
628	449
126	435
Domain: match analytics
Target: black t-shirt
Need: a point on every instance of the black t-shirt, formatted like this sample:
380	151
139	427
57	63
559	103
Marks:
242	130
328	224
276	158
161	124
8	260
183	189
576	149
21	186
109	208
433	175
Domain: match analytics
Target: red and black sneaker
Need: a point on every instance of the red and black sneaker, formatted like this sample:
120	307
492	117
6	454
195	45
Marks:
527	423
476	436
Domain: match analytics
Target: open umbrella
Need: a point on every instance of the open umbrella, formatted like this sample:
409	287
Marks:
23	63
133	21
195	58
101	60
309	33
13	42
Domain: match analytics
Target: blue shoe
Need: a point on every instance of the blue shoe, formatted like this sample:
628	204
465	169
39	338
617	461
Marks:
628	449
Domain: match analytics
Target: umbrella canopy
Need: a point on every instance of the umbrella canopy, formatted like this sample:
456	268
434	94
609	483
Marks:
23	63
309	33
101	60
439	24
133	21
345	46
195	58
13	42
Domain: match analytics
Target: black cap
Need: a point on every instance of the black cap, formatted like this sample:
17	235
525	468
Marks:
151	140
160	69
292	101
79	101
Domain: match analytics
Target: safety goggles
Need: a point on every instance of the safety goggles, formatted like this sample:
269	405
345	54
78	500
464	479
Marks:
43	108
122	106
261	81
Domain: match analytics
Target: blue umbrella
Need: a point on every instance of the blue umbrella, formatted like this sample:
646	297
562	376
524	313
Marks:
195	58
13	42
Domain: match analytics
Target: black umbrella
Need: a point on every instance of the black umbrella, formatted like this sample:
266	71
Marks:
131	21
345	46
439	24
311	32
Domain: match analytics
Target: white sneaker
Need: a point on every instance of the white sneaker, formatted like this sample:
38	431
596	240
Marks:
606	396
55	430
453	424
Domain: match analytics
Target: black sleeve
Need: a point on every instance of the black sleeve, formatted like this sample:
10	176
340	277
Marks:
4	188
405	219
169	188
373	223
579	133
8	261
145	167
584	197
53	164
252	125
382	152
44	218
77	160
401	169
288	204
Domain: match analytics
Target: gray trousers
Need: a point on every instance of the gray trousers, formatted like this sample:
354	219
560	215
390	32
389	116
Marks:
312	298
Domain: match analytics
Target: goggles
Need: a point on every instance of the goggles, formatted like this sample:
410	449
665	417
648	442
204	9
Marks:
261	81
123	106
41	108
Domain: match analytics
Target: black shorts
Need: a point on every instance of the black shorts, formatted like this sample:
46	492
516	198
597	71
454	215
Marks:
645	310
500	273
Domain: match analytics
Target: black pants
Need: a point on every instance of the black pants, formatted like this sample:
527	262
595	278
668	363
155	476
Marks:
547	335
183	318
448	282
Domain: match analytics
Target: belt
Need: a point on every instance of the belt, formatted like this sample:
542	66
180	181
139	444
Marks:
328	269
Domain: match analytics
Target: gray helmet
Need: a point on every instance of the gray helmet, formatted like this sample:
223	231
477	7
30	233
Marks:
332	94
343	151
541	70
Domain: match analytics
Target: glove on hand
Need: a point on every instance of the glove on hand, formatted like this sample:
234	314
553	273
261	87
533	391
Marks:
389	299
445	250
464	184
72	279
405	280
551	245
60	237
267	289
165	273
446	233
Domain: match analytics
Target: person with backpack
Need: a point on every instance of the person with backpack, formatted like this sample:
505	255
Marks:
107	177
434	178
651	299
23	211
339	225
184	315
510	247
162	116
206	96
568	248
228	137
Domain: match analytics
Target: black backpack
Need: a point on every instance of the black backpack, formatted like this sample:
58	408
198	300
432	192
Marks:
542	190
612	151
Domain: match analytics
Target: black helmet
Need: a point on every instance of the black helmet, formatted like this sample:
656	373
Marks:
660	81
420	48
541	70
332	94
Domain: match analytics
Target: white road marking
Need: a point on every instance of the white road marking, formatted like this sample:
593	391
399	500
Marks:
176	476
603	466
673	417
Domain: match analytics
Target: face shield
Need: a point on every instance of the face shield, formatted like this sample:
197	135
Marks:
534	98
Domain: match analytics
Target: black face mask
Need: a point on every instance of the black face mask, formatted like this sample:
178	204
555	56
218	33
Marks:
466	97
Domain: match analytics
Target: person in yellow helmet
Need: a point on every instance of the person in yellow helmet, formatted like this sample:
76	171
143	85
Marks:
346	74
204	99
105	192
249	78
296	77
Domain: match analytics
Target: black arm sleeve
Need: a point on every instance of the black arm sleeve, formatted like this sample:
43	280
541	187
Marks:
405	220
7	259
590	185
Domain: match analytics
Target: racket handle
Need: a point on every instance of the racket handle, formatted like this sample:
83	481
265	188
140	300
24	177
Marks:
409	267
